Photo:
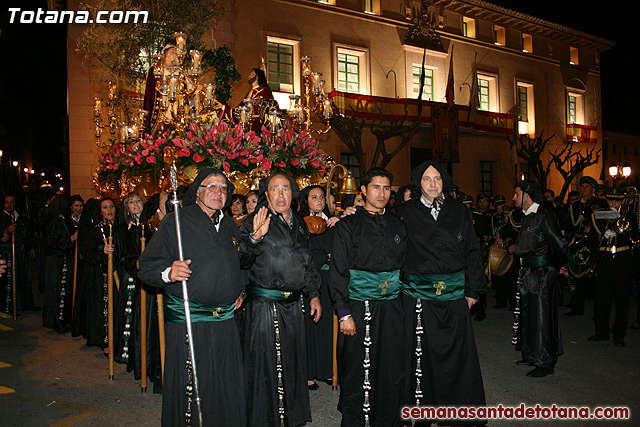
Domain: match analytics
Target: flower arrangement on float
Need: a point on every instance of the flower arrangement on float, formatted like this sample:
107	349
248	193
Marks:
244	156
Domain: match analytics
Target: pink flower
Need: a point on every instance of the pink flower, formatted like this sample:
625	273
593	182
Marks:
225	166
193	127
151	159
145	152
244	161
280	164
183	152
315	163
198	158
266	163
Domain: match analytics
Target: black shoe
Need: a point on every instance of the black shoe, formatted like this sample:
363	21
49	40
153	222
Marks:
597	337
540	372
574	313
523	363
619	343
480	317
313	386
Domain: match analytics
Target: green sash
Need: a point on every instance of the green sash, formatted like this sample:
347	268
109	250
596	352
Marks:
533	261
273	294
174	310
375	286
435	287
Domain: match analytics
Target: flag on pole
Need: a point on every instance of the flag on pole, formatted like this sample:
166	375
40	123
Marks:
450	93
514	142
473	96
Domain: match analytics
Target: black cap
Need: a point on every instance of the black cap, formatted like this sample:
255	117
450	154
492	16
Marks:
615	193
483	196
588	180
499	199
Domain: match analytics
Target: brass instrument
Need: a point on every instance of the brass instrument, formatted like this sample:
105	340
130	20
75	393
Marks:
622	224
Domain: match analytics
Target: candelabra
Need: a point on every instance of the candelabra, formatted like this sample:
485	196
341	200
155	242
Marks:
314	100
119	128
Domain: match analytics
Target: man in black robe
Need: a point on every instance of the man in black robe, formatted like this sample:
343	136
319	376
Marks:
13	223
212	268
274	332
368	252
442	279
541	247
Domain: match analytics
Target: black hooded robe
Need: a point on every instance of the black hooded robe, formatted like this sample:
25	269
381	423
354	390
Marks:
58	282
451	373
373	244
283	265
540	244
216	280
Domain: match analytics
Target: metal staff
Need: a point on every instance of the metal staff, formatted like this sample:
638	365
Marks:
143	324
185	294
110	301
13	274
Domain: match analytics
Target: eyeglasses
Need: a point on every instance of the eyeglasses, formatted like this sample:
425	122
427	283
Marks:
215	187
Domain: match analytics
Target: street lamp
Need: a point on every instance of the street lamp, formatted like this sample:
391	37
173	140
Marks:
617	171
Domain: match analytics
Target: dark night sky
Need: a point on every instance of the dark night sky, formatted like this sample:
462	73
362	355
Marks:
33	76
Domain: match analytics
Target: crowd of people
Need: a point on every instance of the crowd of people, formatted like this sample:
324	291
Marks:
405	273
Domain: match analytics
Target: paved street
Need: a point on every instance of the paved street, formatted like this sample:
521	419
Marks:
59	381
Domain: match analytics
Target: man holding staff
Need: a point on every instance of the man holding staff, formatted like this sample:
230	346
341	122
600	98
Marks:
212	268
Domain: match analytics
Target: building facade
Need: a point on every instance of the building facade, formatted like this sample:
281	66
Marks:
546	75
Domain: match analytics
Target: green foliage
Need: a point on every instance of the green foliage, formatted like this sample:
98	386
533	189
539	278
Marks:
226	72
125	50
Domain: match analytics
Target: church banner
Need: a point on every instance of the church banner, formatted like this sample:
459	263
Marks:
381	108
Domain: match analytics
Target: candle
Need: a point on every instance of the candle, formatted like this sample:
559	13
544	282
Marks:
181	43
123	131
196	68
306	67
316	82
245	114
97	108
328	110
173	87
112	91
209	91
158	65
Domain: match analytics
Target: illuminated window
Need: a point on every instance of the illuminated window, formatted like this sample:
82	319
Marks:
575	108
469	27
527	43
427	87
499	36
368	6
352	70
526	114
574	59
487	93
523	115
280	66
483	94
283	68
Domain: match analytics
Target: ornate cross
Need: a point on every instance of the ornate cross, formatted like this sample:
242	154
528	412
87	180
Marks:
384	287
439	287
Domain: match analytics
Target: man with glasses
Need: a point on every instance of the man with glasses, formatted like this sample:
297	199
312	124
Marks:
212	268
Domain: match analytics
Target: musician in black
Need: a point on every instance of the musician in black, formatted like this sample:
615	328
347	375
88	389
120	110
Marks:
613	270
505	231
581	251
